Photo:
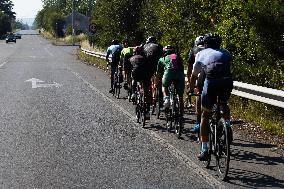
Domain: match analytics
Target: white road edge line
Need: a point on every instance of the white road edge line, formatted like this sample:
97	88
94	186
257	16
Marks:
1	65
174	151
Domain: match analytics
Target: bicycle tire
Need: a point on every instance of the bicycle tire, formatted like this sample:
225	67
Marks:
177	118
158	104
222	149
143	111
168	114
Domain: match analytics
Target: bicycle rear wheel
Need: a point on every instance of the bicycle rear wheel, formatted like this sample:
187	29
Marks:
143	111
177	118
169	121
158	103
222	149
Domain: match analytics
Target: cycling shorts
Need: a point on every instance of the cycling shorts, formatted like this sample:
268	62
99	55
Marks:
178	77
139	73
127	66
214	88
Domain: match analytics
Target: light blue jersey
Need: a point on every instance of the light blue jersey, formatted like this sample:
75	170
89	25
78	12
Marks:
216	63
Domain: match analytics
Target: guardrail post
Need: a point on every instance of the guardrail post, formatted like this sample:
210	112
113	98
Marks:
244	102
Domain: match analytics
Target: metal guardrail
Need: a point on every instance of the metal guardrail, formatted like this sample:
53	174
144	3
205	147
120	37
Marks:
261	94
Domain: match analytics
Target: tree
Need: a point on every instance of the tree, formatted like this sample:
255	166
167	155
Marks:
5	24
6	6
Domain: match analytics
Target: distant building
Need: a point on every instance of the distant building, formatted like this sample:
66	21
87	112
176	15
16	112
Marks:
81	22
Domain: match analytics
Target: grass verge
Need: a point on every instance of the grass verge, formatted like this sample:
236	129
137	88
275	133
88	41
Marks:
91	60
268	117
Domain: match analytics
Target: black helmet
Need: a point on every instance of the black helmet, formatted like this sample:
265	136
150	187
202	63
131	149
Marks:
125	40
199	41
168	50
151	39
138	50
212	40
115	42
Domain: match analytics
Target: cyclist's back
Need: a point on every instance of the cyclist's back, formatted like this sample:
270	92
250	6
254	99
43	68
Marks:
153	52
114	50
216	63
139	66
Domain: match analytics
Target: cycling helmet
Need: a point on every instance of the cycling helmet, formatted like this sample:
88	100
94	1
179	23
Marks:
151	39
199	41
115	42
125	40
168	50
212	40
138	50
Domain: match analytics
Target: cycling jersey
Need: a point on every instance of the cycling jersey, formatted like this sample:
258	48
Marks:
114	51
215	62
126	54
139	65
153	52
173	69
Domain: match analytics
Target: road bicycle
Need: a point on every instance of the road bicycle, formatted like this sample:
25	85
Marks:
220	139
157	99
117	80
140	105
173	113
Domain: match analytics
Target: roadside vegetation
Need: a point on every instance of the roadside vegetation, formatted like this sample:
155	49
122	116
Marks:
8	22
252	30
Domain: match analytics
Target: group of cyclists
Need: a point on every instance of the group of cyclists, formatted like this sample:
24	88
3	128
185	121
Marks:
208	71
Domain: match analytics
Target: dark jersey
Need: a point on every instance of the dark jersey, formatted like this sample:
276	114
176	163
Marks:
153	53
139	67
192	54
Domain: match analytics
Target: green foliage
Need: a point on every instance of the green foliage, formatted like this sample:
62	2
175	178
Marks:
6	16
269	117
252	30
5	24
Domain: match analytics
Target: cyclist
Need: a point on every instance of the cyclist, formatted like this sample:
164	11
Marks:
198	46
170	66
126	53
218	83
153	52
114	50
140	74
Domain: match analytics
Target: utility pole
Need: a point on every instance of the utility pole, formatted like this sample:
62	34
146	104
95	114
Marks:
73	22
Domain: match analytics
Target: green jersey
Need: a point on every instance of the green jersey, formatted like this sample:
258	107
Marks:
126	53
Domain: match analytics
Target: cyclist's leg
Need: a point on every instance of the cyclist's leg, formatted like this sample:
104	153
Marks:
180	85
147	93
226	86
112	72
166	81
208	98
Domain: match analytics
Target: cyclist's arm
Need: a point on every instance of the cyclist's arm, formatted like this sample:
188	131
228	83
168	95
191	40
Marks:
121	57
197	67
108	53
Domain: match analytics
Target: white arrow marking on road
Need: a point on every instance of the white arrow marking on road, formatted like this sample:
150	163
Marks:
36	83
3	64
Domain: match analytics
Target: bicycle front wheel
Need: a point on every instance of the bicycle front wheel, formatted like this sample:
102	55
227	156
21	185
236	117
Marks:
222	149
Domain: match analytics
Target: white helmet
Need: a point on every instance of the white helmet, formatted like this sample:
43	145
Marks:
199	41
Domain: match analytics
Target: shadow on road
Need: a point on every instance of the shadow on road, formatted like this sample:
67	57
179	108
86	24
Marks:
242	155
251	179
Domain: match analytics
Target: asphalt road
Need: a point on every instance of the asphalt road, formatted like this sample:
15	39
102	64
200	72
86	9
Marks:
59	128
